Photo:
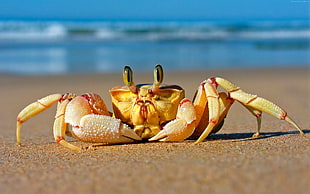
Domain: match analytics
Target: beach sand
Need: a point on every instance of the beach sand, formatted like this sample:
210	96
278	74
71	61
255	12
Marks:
228	162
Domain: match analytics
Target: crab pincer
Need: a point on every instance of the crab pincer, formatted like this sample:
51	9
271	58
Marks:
180	128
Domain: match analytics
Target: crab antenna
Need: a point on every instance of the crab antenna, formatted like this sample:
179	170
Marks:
158	77
128	79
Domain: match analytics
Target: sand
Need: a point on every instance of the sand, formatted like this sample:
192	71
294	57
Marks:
228	162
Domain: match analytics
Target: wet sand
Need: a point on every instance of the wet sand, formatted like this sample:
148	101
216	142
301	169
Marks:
228	162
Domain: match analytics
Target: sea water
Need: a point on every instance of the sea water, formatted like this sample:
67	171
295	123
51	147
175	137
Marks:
101	46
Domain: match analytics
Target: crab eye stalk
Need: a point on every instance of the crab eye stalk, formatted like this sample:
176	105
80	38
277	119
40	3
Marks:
128	79
127	75
158	78
158	75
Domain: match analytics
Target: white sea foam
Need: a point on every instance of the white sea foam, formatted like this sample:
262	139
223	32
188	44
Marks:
20	31
152	31
32	47
105	33
279	34
55	30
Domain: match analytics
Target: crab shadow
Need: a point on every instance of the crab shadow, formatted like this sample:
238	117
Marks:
247	136
235	137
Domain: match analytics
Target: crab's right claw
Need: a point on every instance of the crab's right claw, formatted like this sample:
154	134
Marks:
180	128
104	129
89	127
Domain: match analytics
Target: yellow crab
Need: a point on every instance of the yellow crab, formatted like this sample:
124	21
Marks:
147	112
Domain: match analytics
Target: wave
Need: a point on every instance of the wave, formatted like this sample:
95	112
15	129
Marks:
23	31
152	31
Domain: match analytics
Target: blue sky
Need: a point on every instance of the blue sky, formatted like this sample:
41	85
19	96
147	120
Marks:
154	9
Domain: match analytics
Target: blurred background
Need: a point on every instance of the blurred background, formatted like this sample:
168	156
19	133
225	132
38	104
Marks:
95	36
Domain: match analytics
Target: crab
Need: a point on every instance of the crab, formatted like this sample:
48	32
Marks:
148	112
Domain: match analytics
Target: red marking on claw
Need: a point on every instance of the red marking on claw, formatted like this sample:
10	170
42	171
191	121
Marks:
59	139
19	120
65	97
62	99
88	97
258	114
184	101
213	82
283	116
229	98
212	121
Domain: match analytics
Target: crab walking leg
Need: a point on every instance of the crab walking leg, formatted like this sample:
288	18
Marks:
218	106
225	104
258	115
200	103
254	101
180	128
33	109
60	127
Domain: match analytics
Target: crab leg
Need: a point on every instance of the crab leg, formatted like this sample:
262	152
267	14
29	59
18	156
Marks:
60	127
258	115
180	128
201	102
218	106
254	102
33	109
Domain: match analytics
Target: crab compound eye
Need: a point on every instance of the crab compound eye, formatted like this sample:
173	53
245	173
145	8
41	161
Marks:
158	75
127	76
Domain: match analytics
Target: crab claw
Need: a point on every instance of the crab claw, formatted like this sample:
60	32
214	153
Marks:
104	129
90	122
180	128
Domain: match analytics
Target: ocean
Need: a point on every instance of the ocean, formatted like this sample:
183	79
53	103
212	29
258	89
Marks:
103	46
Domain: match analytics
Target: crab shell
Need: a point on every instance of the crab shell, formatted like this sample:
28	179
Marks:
145	110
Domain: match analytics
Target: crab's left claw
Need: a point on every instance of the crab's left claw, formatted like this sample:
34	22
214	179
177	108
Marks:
180	128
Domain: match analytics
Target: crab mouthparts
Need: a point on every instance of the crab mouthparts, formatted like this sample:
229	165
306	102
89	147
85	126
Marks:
145	133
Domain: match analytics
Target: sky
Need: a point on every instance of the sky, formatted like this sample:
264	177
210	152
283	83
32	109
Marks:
155	9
